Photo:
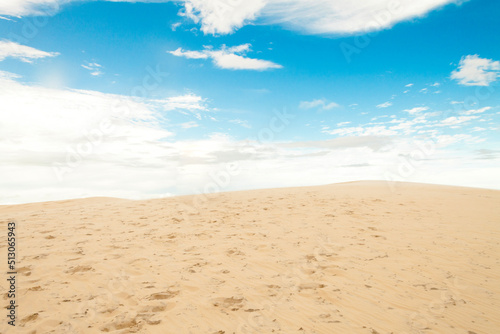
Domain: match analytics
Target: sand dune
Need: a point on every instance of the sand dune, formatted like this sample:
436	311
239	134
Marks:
347	258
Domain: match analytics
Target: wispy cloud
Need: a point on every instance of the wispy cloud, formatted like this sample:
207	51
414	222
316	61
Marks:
188	104
379	130
476	71
318	103
232	58
416	110
174	26
384	105
450	121
94	68
190	54
24	53
475	111
242	123
8	75
420	123
6	18
189	125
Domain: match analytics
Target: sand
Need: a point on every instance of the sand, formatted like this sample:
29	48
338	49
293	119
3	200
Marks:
357	257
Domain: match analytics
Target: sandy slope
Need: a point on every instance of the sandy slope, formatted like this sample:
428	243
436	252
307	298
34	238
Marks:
346	258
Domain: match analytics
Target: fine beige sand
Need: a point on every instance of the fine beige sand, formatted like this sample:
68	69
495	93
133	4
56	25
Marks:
360	257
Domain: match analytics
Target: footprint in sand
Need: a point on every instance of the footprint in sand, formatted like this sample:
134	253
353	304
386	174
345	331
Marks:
229	304
195	268
27	319
234	251
311	286
131	325
78	269
25	271
163	295
152	313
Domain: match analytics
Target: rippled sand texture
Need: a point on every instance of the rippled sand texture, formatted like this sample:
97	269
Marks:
347	258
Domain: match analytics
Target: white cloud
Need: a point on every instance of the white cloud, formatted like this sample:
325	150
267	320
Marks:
331	105
313	16
421	122
30	7
189	54
452	121
187	102
409	85
384	105
220	16
5	18
63	143
476	111
232	58
311	104
477	129
24	53
242	123
51	114
8	75
94	68
318	103
445	140
236	62
378	130
174	26
47	130
189	125
476	71
416	110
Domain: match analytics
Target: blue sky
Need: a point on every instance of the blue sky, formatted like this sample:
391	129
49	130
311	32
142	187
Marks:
291	92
